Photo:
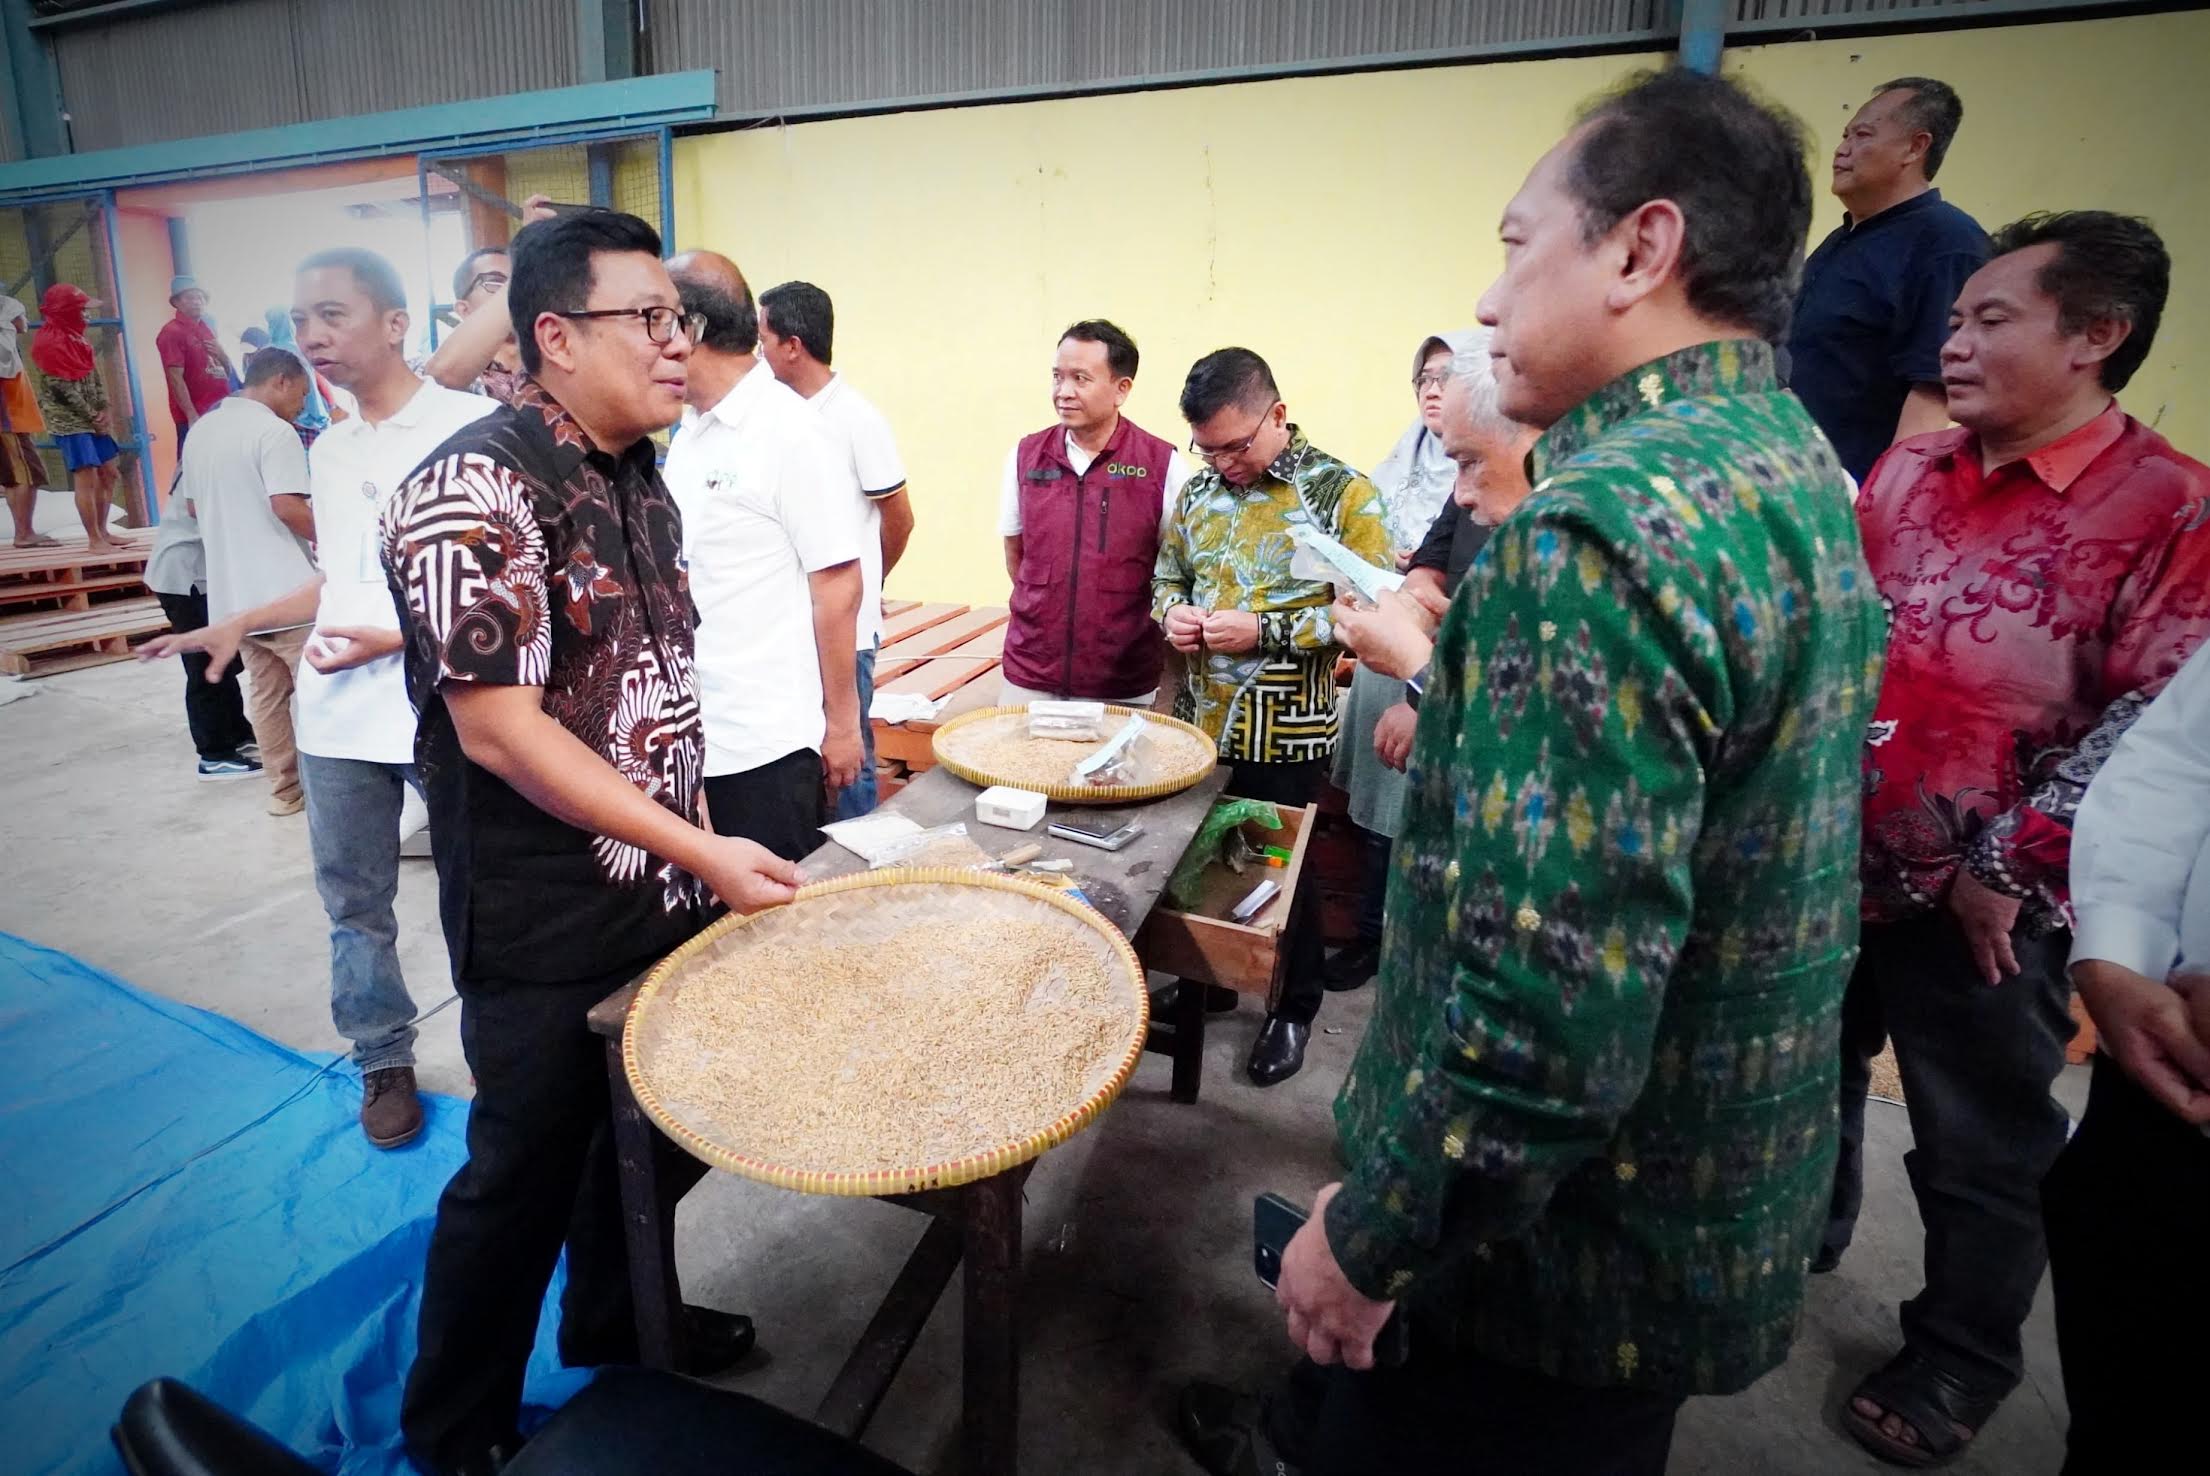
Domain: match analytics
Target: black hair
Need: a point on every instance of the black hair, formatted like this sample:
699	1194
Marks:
464	275
732	322
1933	108
1120	349
2106	266
802	311
1733	165
1224	377
376	276
553	266
266	365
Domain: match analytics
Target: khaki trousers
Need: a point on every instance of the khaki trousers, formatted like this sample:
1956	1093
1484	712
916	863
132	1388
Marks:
271	663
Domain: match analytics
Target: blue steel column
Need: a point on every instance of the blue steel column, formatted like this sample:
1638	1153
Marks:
1703	34
33	84
130	365
606	40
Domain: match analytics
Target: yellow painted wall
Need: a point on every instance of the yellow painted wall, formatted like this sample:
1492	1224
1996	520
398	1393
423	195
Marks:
1331	223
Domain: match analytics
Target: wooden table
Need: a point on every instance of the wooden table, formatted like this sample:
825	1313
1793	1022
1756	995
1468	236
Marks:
977	1224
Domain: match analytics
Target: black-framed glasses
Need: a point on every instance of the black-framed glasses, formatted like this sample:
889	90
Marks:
660	322
1428	379
1219	454
492	280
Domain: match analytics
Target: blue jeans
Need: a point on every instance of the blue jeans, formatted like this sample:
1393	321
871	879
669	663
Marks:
858	797
353	829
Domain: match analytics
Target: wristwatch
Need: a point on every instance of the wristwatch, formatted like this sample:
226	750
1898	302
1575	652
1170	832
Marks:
1415	686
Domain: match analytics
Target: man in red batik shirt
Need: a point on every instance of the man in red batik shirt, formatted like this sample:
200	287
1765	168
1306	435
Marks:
2046	569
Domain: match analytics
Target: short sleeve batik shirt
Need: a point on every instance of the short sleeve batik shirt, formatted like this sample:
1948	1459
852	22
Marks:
520	554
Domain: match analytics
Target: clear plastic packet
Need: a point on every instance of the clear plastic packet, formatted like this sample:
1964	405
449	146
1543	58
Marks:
939	845
1078	721
1120	760
1320	557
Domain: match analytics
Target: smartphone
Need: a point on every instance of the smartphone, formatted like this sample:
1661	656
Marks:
1274	1223
559	209
1106	832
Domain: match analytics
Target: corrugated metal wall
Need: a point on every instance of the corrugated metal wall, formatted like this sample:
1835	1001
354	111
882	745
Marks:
260	63
809	55
1810	15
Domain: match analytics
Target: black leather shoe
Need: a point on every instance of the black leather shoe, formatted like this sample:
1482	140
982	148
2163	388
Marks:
1828	1259
1215	1423
1351	968
1279	1051
714	1341
1166	998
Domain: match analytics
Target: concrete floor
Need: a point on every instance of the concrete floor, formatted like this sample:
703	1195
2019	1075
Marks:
1138	1232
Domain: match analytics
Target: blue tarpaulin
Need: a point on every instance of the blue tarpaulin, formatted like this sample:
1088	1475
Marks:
181	1196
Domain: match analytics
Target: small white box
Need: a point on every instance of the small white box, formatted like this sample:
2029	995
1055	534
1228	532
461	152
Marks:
1014	809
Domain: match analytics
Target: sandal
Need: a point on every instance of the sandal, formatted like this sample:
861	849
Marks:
1929	1400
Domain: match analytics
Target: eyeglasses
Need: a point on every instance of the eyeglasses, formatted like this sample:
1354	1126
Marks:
492	280
1219	454
660	322
1430	379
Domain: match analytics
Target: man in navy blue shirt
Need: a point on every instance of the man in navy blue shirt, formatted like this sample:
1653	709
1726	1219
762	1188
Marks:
1873	311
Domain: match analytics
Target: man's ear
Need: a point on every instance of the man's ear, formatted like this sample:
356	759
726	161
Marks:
555	343
395	326
2104	337
1647	243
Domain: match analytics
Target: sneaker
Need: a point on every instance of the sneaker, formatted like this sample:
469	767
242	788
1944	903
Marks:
391	1110
283	807
250	749
237	766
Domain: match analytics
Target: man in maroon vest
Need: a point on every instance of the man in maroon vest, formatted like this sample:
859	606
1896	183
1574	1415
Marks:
1081	511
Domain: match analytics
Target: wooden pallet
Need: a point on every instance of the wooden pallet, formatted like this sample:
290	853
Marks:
952	654
43	643
80	593
70	576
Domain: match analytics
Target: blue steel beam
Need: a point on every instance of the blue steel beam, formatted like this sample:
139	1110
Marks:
637	105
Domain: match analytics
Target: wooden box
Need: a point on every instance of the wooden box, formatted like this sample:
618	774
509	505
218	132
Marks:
1203	945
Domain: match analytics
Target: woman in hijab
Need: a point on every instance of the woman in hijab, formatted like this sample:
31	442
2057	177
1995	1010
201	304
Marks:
322	406
74	399
1415	480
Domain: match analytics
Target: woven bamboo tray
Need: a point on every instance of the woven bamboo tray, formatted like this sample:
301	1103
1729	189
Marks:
1079	794
644	1026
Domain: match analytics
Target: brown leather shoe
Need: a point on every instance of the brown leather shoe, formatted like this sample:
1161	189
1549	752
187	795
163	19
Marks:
391	1113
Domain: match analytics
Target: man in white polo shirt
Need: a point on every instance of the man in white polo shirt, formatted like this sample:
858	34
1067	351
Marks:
772	536
797	337
244	476
356	726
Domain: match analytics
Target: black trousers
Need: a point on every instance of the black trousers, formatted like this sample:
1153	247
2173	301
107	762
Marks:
1976	1061
1294	785
779	804
215	711
2128	1213
541	1173
1374	851
1446	1411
